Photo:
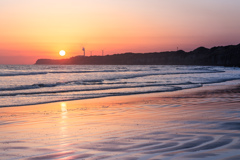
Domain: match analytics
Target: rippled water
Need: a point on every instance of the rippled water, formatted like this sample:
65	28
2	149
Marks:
35	84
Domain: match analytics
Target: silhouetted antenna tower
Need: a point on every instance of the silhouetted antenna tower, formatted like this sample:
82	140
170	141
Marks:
102	52
83	51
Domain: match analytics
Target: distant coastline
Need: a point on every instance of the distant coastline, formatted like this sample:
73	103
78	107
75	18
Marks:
216	56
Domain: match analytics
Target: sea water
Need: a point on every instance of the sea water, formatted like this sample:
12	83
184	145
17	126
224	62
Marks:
36	84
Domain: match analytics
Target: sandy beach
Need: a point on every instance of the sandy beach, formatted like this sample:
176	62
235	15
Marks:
119	80
202	123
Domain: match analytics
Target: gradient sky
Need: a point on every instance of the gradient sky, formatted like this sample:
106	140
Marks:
32	29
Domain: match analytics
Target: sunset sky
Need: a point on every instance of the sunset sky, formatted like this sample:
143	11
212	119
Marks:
32	29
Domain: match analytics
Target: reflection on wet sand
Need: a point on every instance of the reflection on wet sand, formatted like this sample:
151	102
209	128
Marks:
63	124
190	126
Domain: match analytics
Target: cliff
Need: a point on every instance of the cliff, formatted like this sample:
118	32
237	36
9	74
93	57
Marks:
220	56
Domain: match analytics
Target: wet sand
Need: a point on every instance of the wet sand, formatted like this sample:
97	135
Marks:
199	123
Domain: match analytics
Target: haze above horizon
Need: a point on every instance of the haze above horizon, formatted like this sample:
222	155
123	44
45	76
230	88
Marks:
40	29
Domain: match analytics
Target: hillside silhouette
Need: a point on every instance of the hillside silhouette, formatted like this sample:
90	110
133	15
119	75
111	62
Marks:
217	56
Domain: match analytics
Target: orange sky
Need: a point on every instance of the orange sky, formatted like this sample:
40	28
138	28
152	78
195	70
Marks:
40	29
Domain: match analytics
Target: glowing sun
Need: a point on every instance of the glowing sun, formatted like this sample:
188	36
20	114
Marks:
62	53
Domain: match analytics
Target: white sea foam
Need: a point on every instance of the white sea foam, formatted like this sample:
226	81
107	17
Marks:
35	84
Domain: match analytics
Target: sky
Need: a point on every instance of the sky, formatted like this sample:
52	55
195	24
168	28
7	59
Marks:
32	29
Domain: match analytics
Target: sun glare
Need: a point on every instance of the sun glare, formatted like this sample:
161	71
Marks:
62	53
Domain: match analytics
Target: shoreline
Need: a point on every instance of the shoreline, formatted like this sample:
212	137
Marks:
221	85
189	124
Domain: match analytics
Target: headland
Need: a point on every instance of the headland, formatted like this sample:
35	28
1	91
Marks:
216	56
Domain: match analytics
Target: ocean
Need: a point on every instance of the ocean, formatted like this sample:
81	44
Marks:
36	84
